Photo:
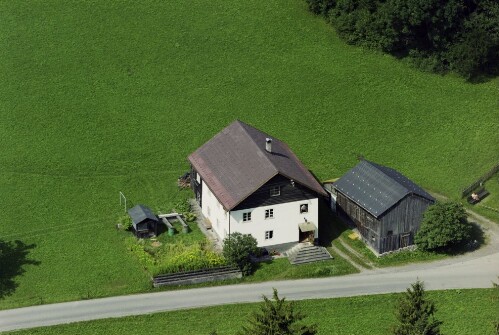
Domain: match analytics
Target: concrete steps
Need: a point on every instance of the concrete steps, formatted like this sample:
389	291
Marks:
307	253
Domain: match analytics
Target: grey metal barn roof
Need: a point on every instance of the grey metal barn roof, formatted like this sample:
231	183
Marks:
377	188
234	164
140	213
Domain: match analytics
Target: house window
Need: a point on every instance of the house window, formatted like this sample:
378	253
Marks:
269	234
198	178
247	216
303	208
275	191
269	213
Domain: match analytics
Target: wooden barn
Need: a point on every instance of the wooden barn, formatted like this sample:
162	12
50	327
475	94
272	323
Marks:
386	206
144	222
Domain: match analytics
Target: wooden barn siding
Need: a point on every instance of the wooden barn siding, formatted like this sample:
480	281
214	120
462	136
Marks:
289	193
405	216
367	228
403	220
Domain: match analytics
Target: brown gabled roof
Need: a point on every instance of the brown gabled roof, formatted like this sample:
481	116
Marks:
234	164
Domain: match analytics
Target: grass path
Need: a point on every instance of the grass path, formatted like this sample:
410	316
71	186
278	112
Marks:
359	265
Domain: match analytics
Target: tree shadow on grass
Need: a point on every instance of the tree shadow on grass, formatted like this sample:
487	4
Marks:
477	239
13	257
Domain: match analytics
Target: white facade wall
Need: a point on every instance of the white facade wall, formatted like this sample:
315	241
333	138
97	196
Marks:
214	211
284	224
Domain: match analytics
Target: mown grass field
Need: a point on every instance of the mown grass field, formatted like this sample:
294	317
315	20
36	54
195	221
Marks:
463	312
99	97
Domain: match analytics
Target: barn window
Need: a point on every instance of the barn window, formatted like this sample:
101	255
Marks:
389	233
357	213
269	213
269	234
303	208
275	191
247	216
369	222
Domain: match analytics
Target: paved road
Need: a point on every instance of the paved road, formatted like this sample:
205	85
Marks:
468	273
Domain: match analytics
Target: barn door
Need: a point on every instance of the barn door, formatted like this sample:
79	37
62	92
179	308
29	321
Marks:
405	240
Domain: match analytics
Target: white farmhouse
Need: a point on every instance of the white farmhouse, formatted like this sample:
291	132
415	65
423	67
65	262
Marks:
247	182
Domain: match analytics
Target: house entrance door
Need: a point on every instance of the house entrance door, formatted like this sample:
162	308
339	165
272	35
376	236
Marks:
307	236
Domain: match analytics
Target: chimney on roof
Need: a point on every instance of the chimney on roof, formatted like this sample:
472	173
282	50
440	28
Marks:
268	144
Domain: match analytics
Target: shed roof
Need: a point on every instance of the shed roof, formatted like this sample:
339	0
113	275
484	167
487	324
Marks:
234	164
376	188
141	213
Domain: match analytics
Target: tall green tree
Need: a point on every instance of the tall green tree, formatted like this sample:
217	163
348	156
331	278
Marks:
415	313
444	225
277	317
457	35
238	249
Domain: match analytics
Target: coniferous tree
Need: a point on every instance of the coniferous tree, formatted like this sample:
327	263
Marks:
415	314
277	317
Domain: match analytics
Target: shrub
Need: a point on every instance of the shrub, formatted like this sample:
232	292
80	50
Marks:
190	217
126	222
183	206
444	225
238	248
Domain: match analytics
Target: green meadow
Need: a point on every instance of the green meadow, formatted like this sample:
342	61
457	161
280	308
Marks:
98	97
463	312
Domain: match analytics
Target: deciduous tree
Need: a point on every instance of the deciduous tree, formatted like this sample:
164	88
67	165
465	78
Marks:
238	248
444	225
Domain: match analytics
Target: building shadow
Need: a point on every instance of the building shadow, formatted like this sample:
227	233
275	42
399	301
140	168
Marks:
330	226
13	258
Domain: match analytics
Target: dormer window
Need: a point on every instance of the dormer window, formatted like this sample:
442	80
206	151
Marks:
275	191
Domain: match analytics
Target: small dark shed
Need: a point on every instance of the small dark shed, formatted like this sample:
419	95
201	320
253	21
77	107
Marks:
386	206
143	220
